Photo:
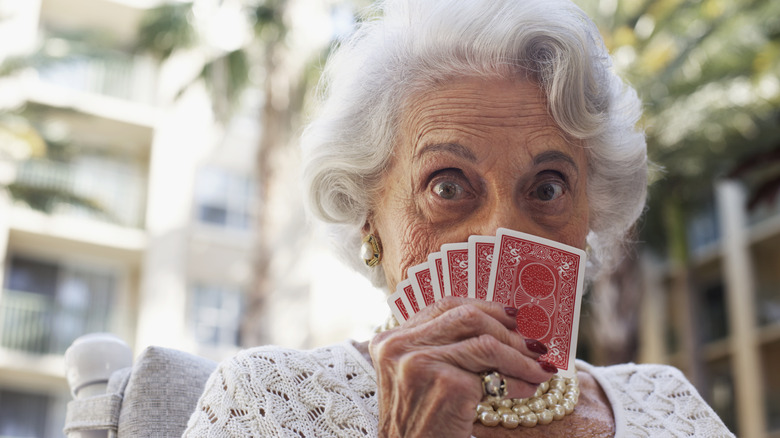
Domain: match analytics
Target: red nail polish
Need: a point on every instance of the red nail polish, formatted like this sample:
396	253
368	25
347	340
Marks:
511	311
535	346
547	366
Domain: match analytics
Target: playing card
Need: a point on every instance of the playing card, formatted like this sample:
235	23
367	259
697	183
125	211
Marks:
455	260
480	253
398	307
420	277
406	288
437	281
543	279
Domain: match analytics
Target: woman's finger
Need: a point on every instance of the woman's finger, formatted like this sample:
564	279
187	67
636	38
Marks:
454	319
515	388
503	314
479	354
468	321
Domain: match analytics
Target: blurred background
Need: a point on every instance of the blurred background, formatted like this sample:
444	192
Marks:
149	187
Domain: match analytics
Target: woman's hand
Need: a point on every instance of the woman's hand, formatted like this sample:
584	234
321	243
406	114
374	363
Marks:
428	371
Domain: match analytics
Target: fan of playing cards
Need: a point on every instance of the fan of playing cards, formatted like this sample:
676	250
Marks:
542	278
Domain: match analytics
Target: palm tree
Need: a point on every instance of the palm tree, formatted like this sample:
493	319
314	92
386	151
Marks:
171	27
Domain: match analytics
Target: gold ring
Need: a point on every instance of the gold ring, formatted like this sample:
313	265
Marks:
493	384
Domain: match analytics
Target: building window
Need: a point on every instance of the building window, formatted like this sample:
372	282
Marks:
23	414
47	305
713	321
223	198
721	391
33	276
216	315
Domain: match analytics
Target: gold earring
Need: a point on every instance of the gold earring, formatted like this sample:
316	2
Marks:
371	250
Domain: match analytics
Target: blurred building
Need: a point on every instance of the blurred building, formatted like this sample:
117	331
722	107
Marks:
127	210
127	207
718	317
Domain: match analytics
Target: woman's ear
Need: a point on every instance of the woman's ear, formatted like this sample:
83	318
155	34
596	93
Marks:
368	226
371	247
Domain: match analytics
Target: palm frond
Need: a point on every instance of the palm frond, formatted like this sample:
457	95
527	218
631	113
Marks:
166	29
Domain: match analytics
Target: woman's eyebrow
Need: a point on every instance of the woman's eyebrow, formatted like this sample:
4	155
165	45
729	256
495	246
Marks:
452	148
548	156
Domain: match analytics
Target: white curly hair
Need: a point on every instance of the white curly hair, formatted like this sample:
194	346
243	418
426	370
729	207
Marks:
404	46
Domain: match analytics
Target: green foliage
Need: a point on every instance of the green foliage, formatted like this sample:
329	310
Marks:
46	193
170	27
47	199
268	22
709	74
167	28
13	64
236	67
226	77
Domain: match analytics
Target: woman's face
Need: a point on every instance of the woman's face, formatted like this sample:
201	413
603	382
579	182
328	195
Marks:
472	156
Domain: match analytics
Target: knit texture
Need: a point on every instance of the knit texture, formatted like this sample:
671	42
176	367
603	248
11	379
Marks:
656	400
331	392
268	391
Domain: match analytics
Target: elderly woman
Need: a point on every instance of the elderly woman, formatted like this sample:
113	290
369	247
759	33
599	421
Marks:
443	119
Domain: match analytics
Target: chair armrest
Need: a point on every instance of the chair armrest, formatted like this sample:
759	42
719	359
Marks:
90	363
154	397
162	392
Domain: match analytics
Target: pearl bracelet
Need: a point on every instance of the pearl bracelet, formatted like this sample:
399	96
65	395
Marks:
553	400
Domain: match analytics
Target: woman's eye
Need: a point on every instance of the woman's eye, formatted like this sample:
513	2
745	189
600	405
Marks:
448	189
549	191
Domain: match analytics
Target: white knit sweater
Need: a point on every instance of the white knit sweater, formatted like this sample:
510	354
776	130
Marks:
331	392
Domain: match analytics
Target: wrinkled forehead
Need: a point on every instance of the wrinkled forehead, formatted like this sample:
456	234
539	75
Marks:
493	109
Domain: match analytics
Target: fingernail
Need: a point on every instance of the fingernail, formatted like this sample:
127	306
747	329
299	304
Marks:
535	346
511	311
547	366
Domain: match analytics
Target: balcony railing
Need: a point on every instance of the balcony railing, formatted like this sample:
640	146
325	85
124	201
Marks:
704	228
119	75
765	210
37	323
108	190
